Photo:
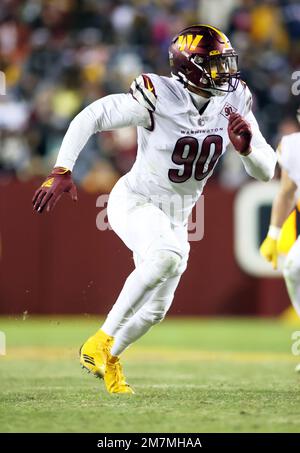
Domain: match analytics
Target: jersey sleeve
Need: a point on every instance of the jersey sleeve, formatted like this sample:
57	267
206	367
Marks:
288	159
143	91
283	153
261	162
111	112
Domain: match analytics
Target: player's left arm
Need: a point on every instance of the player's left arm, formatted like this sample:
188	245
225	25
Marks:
261	161
258	157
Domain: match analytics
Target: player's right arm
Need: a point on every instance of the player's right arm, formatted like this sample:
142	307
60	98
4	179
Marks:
111	112
283	205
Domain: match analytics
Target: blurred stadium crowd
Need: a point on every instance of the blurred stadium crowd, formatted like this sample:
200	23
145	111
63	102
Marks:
60	55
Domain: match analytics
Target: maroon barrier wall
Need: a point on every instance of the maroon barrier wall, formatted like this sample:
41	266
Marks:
61	263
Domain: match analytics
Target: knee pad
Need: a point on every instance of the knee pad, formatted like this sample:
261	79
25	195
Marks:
167	262
159	266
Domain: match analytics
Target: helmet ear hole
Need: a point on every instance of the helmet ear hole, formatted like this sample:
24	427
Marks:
204	80
198	60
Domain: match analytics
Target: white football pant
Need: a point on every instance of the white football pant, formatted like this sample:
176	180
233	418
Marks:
160	253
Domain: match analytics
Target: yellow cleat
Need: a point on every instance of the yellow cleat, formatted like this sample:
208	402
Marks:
95	352
114	377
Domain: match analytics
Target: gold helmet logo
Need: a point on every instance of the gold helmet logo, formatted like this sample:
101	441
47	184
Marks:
189	42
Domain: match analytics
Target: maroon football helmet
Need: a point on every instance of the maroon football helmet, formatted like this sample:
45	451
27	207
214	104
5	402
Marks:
201	56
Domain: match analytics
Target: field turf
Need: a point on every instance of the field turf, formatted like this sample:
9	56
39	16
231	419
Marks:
190	375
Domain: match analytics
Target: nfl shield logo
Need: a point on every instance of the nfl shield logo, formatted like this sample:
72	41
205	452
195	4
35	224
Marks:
227	110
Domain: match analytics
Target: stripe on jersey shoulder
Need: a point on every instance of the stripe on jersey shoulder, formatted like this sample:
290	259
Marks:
143	91
145	96
148	84
152	124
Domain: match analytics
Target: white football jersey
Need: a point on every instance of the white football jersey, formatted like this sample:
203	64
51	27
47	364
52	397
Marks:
290	156
178	145
180	150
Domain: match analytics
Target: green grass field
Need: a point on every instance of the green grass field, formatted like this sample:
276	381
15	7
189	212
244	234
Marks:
190	375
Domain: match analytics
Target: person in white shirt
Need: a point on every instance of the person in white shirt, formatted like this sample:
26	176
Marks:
185	123
284	203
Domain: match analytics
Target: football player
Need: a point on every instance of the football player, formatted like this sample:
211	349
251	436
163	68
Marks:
184	123
283	204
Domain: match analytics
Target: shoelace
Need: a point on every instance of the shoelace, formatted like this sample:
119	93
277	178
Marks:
106	347
118	373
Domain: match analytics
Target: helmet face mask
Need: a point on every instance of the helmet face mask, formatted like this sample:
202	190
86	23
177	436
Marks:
221	71
202	57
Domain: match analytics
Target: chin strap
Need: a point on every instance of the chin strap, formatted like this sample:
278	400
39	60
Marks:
186	83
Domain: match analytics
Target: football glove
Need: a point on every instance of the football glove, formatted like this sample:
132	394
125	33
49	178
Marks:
48	194
269	250
240	134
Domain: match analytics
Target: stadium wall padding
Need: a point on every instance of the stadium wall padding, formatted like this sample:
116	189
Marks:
61	263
